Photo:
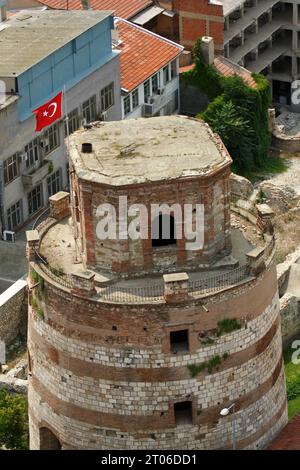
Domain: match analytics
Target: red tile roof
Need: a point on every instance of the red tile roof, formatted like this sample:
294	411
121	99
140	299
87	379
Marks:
289	437
123	8
229	69
62	4
142	53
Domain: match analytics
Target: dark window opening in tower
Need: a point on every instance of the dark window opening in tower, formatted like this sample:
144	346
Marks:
163	230
48	440
179	341
183	413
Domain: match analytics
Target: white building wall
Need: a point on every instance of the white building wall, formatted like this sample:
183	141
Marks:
170	88
14	135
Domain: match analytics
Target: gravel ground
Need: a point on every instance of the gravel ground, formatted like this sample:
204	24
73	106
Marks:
291	177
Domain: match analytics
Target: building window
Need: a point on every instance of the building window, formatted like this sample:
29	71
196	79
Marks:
183	413
179	341
54	183
11	169
32	153
35	199
174	72
51	139
155	83
14	215
166	74
126	104
135	98
89	109
74	123
107	97
147	90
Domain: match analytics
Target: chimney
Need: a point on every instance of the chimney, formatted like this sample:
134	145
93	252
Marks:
208	49
86	4
2	14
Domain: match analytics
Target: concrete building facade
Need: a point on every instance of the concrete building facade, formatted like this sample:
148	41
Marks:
128	347
80	60
261	35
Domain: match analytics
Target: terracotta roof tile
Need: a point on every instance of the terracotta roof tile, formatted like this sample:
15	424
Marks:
142	53
229	69
123	8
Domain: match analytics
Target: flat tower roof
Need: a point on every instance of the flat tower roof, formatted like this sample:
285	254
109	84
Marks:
31	35
146	150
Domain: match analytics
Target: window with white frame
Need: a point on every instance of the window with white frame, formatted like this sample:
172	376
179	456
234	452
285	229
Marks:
155	83
51	139
89	109
74	122
166	74
126	105
147	90
14	215
35	199
54	183
107	97
11	169
32	152
135	98
174	71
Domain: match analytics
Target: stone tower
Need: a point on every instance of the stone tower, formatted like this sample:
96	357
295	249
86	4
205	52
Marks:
139	342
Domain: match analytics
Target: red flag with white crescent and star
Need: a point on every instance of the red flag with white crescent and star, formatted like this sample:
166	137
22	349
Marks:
48	112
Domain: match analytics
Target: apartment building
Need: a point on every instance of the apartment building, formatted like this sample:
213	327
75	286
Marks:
149	71
261	35
42	53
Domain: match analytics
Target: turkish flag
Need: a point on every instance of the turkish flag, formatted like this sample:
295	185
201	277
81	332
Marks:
48	113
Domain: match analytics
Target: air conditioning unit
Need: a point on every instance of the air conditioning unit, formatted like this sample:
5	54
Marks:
150	100
23	157
9	236
148	110
83	122
103	116
161	91
44	142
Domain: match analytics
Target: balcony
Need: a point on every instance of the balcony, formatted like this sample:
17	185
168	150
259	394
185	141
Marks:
155	104
35	176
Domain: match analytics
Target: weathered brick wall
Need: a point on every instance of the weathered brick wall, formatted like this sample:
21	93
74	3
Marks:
103	375
13	305
197	19
127	256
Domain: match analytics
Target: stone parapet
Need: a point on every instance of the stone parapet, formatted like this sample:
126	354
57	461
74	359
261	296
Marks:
59	205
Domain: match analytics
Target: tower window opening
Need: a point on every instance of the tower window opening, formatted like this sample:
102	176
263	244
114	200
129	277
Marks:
183	413
179	341
163	231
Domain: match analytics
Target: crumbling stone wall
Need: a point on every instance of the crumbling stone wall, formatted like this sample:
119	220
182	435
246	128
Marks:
13	312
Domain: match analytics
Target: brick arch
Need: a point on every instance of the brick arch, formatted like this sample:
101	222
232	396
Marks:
48	440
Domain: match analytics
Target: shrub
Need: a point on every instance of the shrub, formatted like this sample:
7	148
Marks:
40	313
13	421
227	325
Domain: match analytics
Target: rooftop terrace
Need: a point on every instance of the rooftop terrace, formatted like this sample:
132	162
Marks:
31	35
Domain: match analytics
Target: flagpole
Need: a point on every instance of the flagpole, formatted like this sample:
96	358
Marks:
72	198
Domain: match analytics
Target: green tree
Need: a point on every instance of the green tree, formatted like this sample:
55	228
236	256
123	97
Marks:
13	421
227	119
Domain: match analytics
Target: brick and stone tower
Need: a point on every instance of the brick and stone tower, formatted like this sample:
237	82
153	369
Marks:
139	343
